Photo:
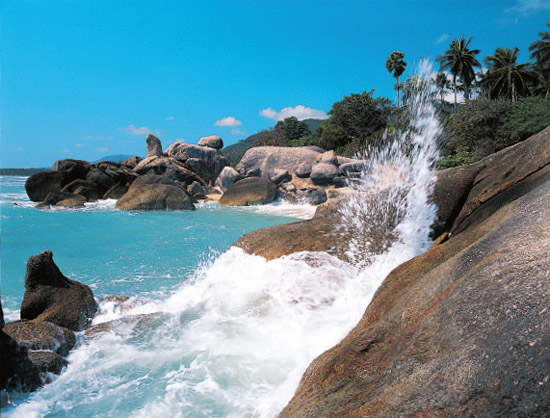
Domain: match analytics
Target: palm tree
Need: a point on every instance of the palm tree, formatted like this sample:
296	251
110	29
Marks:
441	83
505	77
396	65
540	52
460	61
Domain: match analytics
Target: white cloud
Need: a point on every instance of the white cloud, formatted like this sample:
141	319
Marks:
169	118
97	138
65	151
133	130
228	121
102	149
442	38
237	132
527	7
17	149
300	112
79	145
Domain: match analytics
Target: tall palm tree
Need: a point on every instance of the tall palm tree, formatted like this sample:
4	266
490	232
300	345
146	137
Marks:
396	66
460	60
540	52
505	77
441	83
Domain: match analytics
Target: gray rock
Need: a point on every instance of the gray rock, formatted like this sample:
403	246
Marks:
250	191
267	159
227	177
154	147
215	162
328	157
211	141
50	296
116	192
53	197
169	168
131	162
71	203
280	175
323	173
303	170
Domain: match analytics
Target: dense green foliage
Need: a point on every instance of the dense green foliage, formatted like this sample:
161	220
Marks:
482	127
396	66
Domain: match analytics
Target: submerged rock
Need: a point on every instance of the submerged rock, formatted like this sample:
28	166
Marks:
50	296
249	191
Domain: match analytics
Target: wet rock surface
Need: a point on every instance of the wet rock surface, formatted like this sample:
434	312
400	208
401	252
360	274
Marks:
249	191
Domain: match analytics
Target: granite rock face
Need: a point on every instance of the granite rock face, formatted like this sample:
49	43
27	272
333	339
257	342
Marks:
215	162
50	296
250	191
228	176
211	141
463	329
154	147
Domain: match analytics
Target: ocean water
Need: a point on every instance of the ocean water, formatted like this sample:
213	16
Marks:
208	330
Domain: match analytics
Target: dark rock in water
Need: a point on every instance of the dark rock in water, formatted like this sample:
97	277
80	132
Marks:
463	329
197	190
18	372
211	141
103	180
79	183
71	203
50	296
227	178
47	362
116	192
267	159
72	169
215	162
131	162
41	335
53	197
152	192
312	196
323	173
250	191
40	184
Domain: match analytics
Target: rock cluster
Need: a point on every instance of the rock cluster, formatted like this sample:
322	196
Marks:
53	308
461	330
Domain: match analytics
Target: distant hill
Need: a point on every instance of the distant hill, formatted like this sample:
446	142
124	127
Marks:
21	171
236	151
114	158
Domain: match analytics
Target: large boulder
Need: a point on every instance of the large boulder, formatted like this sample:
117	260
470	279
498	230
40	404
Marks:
169	168
227	178
268	159
215	162
154	147
211	141
152	192
249	191
72	169
463	329
41	335
50	296
40	184
323	173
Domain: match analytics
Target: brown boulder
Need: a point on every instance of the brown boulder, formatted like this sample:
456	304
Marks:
50	296
40	184
211	141
154	147
249	191
41	335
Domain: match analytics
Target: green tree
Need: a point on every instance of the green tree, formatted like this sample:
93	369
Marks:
505	77
396	66
441	84
292	128
540	52
354	119
460	60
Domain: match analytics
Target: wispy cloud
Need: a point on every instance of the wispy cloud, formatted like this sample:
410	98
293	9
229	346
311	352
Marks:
442	38
79	145
98	138
65	151
169	118
237	132
134	130
528	7
228	121
300	112
102	149
17	149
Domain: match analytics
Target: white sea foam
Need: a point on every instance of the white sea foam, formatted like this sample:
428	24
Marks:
235	338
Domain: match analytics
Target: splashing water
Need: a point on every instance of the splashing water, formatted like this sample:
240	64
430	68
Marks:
236	337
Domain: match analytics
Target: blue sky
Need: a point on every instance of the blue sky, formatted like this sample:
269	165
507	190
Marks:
89	78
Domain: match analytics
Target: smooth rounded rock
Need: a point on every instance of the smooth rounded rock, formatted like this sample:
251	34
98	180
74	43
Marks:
249	191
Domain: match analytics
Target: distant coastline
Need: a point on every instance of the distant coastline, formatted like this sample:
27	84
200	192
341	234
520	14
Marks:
21	171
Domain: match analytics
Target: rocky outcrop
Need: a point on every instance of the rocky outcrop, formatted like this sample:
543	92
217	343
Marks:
214	160
249	191
323	173
153	192
50	296
227	177
211	141
40	184
463	329
154	147
41	335
268	159
169	168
